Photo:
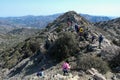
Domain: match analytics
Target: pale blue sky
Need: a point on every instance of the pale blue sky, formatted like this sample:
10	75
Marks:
47	7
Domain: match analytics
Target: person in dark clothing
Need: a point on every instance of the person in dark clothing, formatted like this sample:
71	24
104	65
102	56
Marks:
85	35
41	72
69	22
76	28
90	48
100	40
93	38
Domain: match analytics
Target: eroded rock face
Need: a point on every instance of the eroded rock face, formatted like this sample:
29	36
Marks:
109	52
96	74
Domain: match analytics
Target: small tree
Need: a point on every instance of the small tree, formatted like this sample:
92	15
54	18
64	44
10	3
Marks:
64	47
115	62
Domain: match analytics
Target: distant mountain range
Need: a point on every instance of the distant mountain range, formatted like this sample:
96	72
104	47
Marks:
39	21
27	21
94	19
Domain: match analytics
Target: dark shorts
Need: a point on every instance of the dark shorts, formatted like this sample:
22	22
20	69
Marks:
65	70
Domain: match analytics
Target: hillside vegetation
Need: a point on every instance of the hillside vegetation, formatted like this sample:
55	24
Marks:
59	41
12	38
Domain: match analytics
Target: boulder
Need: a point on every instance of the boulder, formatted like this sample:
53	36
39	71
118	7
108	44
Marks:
118	76
96	74
99	76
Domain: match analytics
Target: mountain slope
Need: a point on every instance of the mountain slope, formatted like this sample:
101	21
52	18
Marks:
112	27
12	38
24	60
30	46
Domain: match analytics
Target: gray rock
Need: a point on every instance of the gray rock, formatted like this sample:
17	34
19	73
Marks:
96	74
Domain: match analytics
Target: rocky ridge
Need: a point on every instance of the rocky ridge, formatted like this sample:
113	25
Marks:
27	67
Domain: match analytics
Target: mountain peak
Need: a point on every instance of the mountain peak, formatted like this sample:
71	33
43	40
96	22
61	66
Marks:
71	16
71	13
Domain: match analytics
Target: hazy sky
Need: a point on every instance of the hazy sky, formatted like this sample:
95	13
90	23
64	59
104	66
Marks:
47	7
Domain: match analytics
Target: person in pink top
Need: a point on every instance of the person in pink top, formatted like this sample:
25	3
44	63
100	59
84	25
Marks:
65	67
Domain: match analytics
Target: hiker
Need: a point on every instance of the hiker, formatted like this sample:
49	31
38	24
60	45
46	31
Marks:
65	67
76	28
93	38
81	31
41	72
69	22
85	35
100	40
90	48
81	36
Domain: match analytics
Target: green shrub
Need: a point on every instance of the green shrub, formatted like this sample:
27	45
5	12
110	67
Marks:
64	47
115	62
87	62
31	47
34	47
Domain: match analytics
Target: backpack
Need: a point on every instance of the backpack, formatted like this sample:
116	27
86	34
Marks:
81	30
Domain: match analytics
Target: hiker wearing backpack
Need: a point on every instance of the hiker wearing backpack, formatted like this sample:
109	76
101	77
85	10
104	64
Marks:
81	31
92	38
69	22
76	28
41	72
86	35
65	67
100	40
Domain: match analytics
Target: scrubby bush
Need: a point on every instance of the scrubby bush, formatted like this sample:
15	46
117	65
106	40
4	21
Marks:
65	46
30	47
115	62
11	62
34	47
116	42
86	62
